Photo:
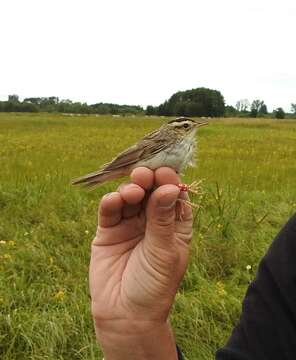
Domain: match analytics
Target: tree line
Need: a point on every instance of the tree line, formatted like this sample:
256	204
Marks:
210	103
257	108
195	102
202	102
54	104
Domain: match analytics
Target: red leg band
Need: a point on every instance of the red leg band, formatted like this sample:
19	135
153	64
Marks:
183	187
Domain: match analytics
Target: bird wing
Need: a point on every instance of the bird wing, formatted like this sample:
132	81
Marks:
146	148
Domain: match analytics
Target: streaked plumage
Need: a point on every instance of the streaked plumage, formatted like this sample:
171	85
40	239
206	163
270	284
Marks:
172	145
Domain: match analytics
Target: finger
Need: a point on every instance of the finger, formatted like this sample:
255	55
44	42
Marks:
131	210
132	194
166	175
143	177
161	215
110	210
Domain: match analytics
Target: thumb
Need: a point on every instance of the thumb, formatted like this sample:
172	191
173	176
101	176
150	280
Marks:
160	215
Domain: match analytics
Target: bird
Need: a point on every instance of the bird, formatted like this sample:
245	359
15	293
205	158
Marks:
172	145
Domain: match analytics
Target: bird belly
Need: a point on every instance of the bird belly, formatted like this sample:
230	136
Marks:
176	157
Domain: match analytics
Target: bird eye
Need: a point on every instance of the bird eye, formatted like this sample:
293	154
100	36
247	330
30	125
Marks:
185	126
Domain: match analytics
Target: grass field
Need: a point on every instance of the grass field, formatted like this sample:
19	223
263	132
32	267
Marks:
46	227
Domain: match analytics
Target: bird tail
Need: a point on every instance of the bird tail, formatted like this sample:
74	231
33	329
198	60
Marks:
97	178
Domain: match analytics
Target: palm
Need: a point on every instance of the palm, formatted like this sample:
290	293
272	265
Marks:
131	271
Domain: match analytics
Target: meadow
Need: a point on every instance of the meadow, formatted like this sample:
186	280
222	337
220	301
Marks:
46	226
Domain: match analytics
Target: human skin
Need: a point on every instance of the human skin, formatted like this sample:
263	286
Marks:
138	259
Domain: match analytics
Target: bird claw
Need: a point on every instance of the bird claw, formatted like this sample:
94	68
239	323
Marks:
193	188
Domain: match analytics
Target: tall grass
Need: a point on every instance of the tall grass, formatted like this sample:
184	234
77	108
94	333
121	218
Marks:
46	226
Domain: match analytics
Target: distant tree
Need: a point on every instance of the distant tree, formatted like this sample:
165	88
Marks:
151	110
263	109
48	101
195	102
161	109
242	105
230	111
67	101
27	107
258	108
106	108
254	112
53	104
293	108
13	98
279	113
33	100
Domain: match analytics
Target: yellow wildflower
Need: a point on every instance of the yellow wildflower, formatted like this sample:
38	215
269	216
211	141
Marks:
221	288
60	295
2	242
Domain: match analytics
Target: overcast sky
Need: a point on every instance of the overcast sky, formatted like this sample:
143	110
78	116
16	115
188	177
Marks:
142	51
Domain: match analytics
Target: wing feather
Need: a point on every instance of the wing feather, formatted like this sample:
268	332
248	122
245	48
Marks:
146	148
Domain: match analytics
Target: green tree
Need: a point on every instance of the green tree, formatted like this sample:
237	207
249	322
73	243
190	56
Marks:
293	108
258	108
195	102
151	110
33	100
279	113
230	111
263	109
242	105
13	98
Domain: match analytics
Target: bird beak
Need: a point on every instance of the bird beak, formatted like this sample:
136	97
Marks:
198	124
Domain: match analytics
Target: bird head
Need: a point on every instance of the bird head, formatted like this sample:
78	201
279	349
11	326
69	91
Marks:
185	126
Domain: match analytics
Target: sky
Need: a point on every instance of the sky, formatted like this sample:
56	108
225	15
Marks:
142	51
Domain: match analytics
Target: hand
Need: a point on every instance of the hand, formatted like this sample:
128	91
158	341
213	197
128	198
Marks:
139	257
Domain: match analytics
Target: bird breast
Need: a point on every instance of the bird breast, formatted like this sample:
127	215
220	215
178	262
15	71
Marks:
177	156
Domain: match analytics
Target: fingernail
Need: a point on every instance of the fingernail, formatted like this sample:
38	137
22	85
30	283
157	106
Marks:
109	194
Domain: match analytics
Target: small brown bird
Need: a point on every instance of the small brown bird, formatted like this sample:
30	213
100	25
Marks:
172	145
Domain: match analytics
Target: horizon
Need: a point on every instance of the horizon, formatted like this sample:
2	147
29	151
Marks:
21	99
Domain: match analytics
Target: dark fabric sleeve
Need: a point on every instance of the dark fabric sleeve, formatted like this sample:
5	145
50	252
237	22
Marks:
267	327
180	356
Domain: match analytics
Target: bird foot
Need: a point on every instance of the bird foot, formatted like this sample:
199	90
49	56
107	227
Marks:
193	188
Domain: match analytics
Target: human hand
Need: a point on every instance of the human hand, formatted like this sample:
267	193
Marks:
138	259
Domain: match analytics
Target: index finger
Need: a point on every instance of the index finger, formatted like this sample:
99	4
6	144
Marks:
110	211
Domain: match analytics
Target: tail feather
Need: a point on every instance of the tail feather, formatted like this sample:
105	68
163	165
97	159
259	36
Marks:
98	177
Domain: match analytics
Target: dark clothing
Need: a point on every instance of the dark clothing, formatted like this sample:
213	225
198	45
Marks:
267	327
180	356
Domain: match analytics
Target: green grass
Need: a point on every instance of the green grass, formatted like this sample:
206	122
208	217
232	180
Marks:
46	227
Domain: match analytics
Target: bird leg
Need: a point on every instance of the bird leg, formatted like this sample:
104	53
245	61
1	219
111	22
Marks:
193	188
